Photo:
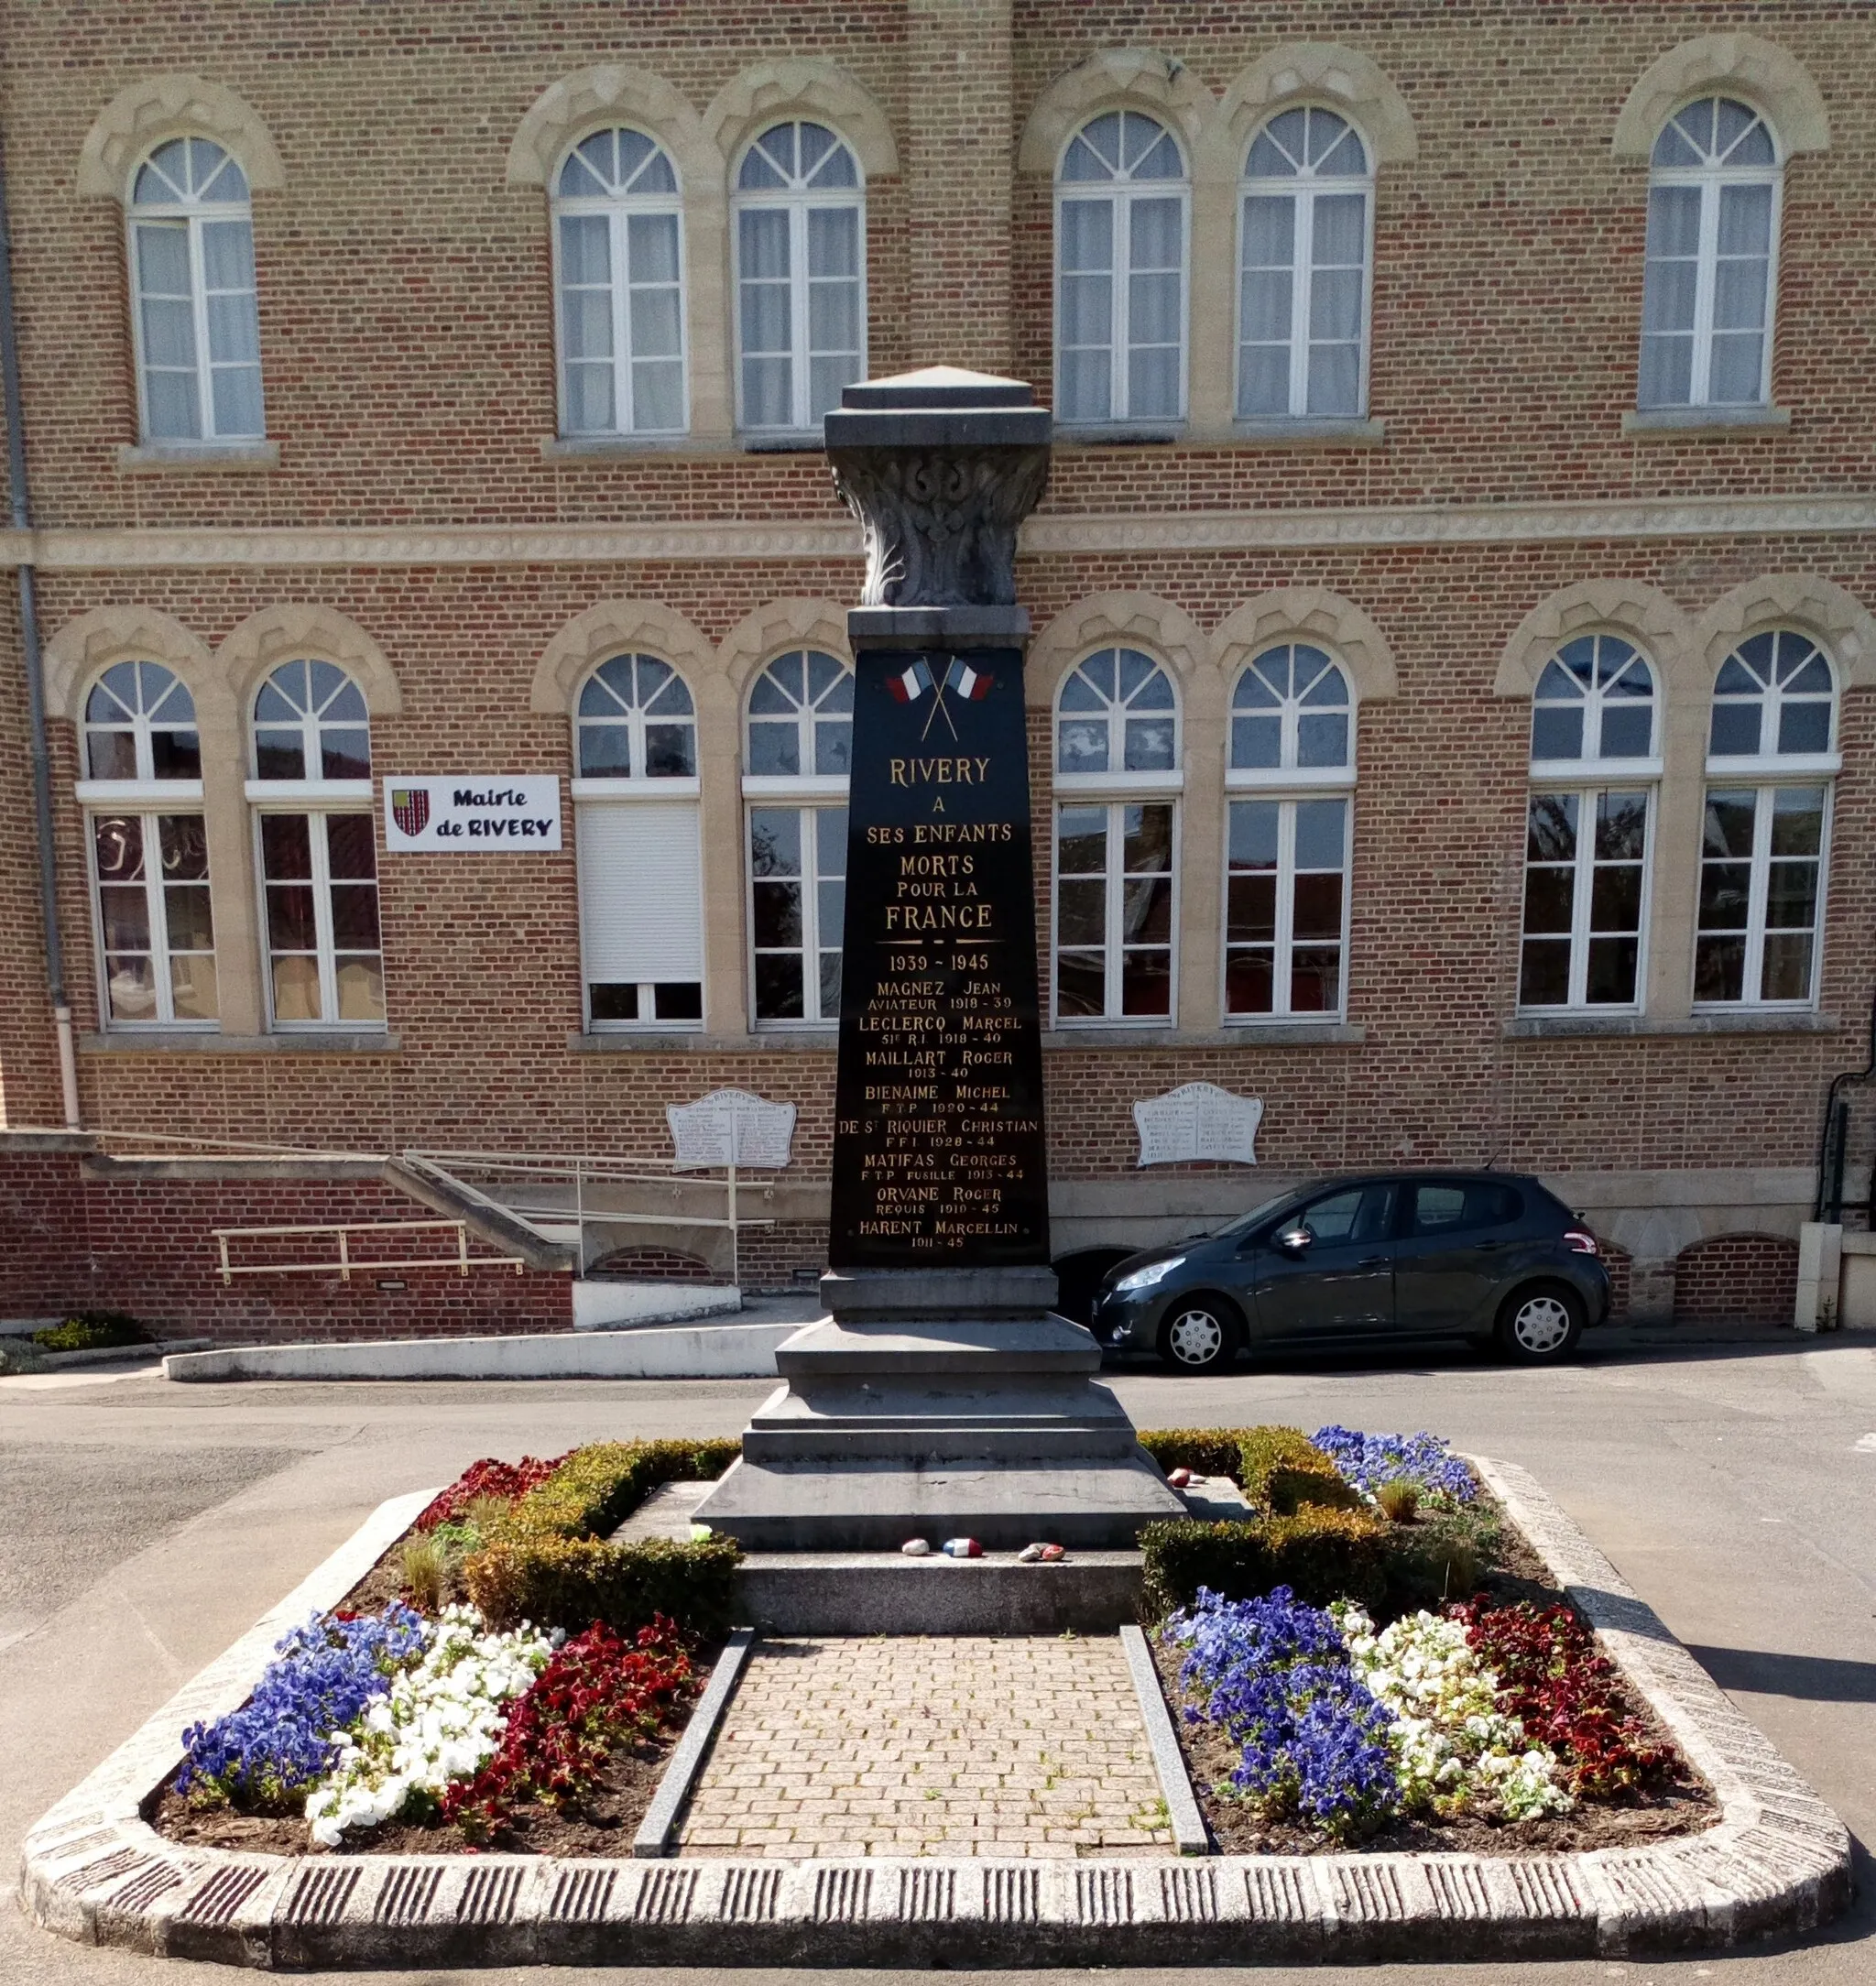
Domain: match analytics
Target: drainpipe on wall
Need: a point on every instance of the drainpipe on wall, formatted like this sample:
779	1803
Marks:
35	671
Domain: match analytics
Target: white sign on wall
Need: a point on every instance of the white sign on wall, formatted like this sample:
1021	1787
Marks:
730	1127
477	811
1198	1120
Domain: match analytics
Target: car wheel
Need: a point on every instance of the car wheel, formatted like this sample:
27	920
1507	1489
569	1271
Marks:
1541	1324
1200	1334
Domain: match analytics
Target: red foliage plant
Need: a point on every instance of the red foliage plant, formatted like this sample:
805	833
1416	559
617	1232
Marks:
599	1688
487	1478
1566	1695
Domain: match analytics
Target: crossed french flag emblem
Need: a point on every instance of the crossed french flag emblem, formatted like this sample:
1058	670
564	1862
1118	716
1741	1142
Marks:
916	678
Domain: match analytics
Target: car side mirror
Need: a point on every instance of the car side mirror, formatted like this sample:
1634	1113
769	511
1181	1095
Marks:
1295	1240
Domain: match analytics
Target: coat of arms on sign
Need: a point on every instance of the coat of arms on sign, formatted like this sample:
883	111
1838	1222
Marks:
410	808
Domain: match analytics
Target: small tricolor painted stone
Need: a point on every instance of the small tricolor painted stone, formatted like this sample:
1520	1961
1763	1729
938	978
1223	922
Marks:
1180	1477
963	1548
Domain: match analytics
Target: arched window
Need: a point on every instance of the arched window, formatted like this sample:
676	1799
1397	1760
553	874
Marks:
799	736
1306	213
310	723
637	833
197	327
1291	712
1588	827
140	724
617	236
1120	228
318	842
1117	757
152	921
1765	831
1593	701
800	236
1286	886
637	721
1116	713
1706	311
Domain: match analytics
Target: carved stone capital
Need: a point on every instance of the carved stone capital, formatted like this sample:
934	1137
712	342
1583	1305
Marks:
940	468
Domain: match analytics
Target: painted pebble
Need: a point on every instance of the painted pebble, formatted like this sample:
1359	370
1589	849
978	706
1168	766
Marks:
917	1547
1180	1477
963	1548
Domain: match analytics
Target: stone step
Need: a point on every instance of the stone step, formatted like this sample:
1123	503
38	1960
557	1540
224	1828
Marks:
1017	1346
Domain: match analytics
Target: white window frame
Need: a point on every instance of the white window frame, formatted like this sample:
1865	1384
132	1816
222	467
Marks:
1303	193
318	801
155	909
636	784
1121	193
1588	785
806	794
619	209
194	214
798	201
1590	768
1710	178
1285	785
1116	790
1765	795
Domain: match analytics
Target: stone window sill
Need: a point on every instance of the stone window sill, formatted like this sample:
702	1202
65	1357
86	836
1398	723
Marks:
808	442
1705	424
632	447
184	1041
1564	1027
788	1041
1121	434
164	458
1299	1034
1350	433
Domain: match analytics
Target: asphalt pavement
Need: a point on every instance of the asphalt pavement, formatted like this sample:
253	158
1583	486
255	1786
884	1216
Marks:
1732	1477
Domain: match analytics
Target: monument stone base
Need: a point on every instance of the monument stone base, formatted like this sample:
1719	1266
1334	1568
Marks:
939	1404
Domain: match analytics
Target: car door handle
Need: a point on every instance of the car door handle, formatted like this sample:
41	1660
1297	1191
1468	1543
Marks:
1373	1261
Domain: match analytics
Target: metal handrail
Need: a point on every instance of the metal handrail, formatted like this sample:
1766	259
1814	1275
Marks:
462	1261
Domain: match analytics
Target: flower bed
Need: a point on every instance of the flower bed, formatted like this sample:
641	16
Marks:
393	1728
1479	1716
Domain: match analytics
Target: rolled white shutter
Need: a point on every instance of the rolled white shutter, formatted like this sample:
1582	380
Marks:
641	890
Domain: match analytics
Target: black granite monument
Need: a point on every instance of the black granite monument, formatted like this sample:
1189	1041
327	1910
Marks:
942	1396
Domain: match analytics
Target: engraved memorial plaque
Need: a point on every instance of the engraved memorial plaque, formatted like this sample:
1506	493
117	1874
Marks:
938	1151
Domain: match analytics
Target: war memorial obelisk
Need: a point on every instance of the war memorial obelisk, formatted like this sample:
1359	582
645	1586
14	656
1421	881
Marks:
941	1396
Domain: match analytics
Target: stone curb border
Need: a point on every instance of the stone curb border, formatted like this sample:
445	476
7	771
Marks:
1189	1834
656	1831
1777	1861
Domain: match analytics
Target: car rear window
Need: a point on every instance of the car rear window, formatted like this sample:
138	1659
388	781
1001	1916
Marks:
1451	1207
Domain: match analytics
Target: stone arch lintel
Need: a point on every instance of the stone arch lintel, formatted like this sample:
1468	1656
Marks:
1769	77
1627	607
1309	614
1140	620
295	631
94	641
1345	80
1113	78
169	106
607	94
803	86
1836	619
757	638
614	628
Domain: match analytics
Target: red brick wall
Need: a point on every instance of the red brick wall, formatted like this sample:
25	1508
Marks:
145	1246
654	1265
1750	1276
1621	1266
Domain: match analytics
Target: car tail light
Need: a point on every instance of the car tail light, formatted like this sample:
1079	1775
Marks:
1580	1241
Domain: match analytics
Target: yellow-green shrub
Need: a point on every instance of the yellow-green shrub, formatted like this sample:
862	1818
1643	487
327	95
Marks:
1320	1554
1279	1469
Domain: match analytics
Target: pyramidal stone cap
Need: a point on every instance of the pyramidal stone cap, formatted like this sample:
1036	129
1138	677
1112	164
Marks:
941	406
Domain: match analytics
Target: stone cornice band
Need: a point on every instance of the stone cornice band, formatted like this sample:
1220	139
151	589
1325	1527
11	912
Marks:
1057	532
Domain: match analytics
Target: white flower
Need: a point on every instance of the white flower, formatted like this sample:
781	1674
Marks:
441	1720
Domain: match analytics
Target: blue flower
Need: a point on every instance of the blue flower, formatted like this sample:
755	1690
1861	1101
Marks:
281	1739
1275	1677
1369	1460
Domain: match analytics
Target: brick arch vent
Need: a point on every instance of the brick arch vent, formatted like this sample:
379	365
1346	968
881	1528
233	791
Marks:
1737	1276
654	1265
1621	1265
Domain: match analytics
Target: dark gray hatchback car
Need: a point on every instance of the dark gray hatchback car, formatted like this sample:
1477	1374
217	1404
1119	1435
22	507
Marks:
1492	1257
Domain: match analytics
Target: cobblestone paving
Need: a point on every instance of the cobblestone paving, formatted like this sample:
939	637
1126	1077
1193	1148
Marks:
963	1745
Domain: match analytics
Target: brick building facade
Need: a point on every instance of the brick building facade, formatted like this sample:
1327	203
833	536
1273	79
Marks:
1453	675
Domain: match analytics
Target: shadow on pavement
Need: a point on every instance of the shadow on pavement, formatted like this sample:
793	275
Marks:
1810	1678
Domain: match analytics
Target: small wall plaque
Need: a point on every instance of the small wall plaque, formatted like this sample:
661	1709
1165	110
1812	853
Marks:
730	1127
1198	1120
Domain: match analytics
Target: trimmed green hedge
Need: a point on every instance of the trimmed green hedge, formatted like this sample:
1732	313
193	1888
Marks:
1279	1469
1321	1554
1312	1531
548	1562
